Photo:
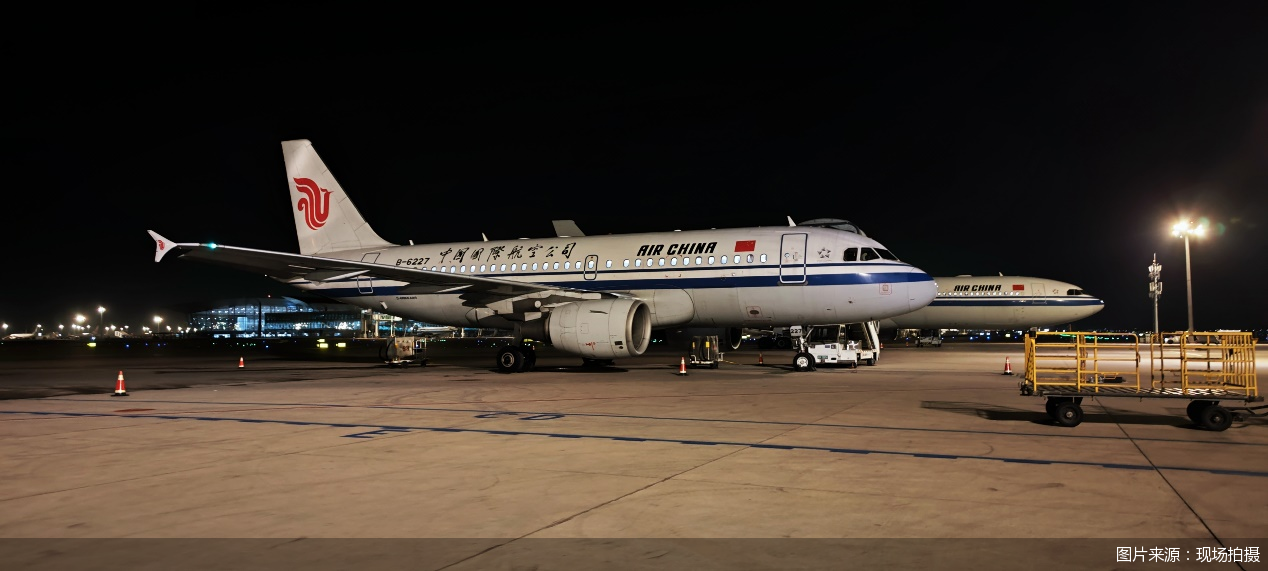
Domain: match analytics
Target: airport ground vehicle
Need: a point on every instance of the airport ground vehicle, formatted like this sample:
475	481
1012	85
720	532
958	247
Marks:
402	351
1207	369
705	351
846	344
929	341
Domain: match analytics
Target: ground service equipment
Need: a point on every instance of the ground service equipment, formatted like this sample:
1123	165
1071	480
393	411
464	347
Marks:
1206	369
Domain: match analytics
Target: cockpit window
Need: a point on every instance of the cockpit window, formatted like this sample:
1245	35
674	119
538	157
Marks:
886	254
1074	292
851	254
868	254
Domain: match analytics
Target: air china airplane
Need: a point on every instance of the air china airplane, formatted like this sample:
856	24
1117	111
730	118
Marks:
999	302
597	297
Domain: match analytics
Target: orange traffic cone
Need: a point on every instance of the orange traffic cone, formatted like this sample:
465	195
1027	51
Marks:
240	363
682	366
759	359
119	391
1008	367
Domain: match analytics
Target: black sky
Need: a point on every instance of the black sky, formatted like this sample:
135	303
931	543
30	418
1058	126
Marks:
1054	140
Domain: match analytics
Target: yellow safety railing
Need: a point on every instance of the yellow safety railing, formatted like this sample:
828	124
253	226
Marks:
1083	360
1222	360
1088	361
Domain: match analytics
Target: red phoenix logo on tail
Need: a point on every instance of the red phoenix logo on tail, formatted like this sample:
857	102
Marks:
315	202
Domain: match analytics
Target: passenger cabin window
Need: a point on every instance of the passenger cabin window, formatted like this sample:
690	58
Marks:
763	258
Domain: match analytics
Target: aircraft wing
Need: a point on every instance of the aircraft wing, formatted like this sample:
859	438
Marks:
475	290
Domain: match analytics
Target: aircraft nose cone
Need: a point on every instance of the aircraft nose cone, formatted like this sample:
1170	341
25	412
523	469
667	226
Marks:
1091	309
921	289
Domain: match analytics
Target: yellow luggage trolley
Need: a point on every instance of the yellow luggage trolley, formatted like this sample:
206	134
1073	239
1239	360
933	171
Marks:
1207	369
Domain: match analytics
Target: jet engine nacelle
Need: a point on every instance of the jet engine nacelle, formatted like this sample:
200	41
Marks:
728	337
600	329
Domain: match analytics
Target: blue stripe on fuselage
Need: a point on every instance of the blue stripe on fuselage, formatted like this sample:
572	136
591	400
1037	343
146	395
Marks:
608	283
1016	301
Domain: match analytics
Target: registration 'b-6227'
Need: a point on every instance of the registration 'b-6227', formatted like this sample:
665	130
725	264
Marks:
597	297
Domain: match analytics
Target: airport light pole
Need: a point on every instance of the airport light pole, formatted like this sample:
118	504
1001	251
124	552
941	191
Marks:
1185	229
101	320
1155	291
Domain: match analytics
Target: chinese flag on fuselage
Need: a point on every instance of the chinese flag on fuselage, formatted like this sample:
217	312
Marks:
1018	287
745	245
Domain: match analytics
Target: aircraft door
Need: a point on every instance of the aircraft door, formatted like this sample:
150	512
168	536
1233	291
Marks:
1037	293
366	285
592	267
792	259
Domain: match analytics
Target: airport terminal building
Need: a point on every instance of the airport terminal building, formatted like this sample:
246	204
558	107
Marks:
293	317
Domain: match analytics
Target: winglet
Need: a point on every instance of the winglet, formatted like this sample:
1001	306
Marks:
161	245
790	222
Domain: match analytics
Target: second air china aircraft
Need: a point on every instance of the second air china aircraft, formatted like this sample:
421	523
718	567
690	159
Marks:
1000	302
597	297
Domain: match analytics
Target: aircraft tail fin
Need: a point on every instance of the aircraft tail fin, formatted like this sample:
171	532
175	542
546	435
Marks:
325	219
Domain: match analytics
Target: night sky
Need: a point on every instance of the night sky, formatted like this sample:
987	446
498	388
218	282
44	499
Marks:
1058	141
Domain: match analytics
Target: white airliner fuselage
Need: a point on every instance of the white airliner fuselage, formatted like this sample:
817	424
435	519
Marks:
726	278
594	296
999	302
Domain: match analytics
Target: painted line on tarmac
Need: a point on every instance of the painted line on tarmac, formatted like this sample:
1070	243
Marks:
380	430
481	413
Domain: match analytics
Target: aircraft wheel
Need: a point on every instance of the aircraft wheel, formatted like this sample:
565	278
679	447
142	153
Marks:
1069	414
510	360
1216	418
803	362
1195	409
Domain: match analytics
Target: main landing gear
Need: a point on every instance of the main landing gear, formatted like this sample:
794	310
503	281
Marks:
516	358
